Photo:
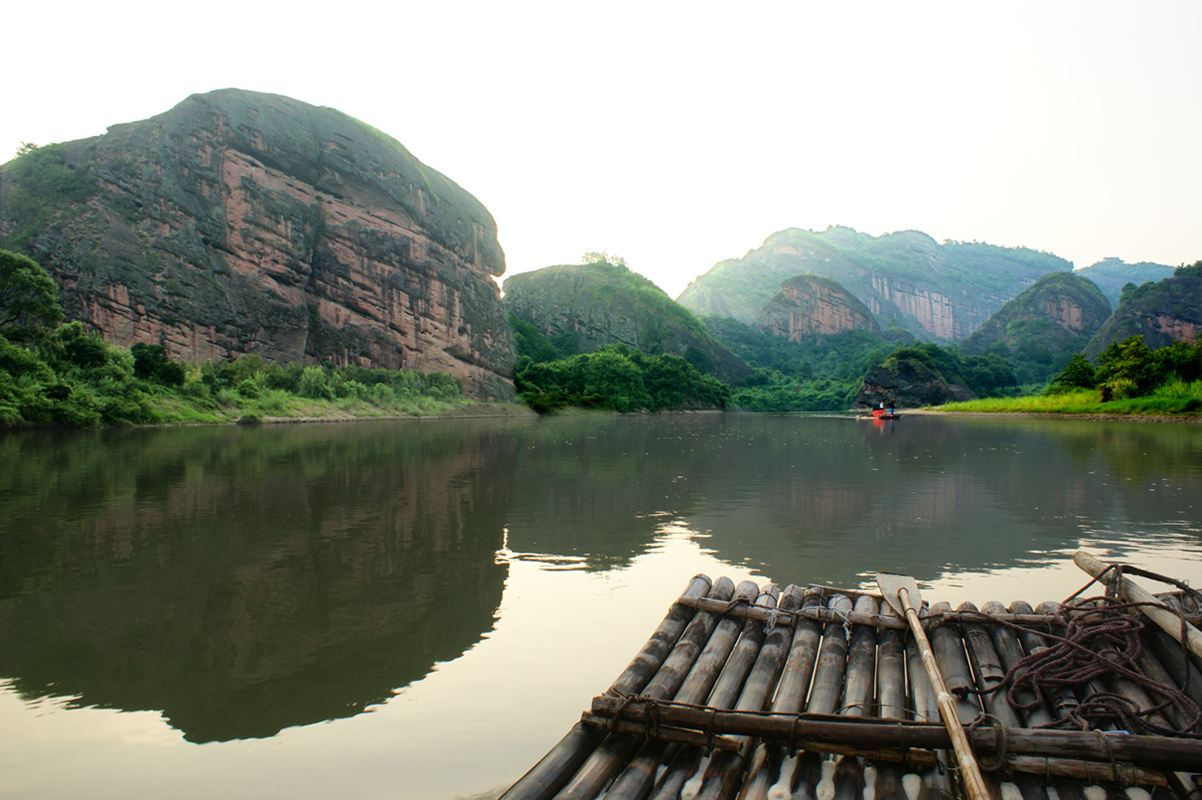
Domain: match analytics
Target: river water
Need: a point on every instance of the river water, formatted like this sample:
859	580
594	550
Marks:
420	609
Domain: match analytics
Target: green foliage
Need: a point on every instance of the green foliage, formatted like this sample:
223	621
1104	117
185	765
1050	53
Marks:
28	297
1077	374
530	342
982	375
152	364
602	257
618	378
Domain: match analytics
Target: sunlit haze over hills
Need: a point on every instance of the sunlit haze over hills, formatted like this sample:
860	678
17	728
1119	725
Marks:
677	135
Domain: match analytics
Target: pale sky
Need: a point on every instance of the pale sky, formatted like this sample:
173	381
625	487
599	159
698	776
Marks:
680	134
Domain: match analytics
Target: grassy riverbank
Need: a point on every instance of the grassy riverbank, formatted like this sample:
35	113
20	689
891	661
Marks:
1171	399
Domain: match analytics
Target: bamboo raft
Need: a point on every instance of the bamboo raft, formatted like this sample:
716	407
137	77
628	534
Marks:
820	693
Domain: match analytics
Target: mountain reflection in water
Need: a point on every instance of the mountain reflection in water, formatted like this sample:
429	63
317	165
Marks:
245	580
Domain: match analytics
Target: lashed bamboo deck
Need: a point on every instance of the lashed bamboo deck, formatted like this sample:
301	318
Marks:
741	692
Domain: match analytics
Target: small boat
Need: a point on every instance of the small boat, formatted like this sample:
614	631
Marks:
883	413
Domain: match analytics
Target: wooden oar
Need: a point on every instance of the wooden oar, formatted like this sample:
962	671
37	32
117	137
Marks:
901	593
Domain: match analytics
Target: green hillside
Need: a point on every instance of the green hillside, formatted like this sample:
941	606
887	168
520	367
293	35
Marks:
582	308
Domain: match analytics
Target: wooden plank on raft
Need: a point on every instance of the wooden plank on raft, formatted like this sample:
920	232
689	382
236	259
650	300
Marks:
553	770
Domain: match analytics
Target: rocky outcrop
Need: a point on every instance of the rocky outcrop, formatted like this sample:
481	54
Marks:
940	292
584	307
240	222
908	382
1161	312
811	304
1041	328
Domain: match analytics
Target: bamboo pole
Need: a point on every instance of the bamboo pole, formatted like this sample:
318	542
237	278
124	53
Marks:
722	782
690	764
1153	608
890	673
1173	656
988	669
1010	651
1150	752
832	660
953	665
639	774
861	664
616	749
554	769
970	773
790	697
755	786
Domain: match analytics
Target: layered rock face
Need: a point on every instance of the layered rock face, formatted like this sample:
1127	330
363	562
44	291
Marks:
810	304
240	222
936	291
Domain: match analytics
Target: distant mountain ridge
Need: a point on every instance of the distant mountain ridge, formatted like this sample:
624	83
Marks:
1112	274
941	292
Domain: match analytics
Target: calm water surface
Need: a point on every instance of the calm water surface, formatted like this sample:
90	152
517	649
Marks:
420	609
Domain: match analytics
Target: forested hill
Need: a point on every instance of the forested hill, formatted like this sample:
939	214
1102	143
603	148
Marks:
581	308
936	291
1160	312
1044	326
1112	274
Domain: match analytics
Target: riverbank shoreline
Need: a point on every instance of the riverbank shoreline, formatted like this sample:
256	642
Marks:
1189	419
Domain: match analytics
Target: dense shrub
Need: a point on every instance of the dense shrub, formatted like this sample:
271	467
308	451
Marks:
618	378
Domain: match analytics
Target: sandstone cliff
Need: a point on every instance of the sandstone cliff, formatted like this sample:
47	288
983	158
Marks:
585	307
1161	312
812	304
240	222
1042	327
940	292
